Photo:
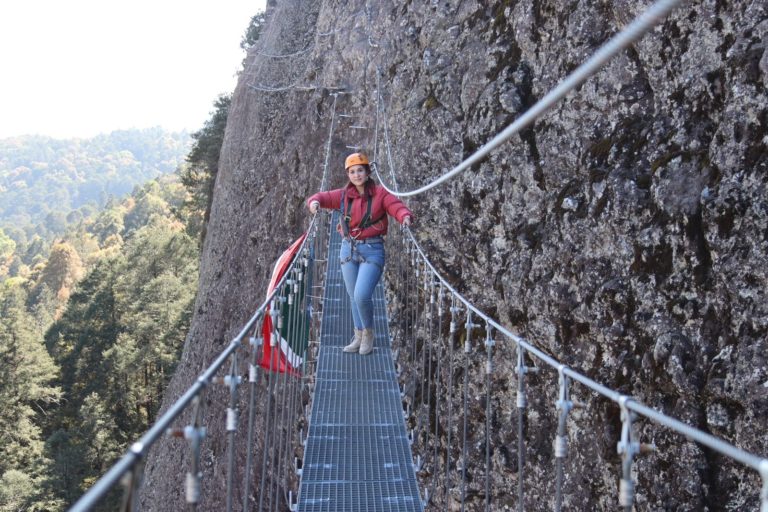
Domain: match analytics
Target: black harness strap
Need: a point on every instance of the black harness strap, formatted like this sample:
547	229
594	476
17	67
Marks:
346	215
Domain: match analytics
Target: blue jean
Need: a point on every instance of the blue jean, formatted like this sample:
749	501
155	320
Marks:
361	267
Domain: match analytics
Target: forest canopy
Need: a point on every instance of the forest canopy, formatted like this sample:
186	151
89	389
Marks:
46	183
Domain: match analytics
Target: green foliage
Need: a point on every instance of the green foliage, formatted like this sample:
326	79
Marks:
43	180
26	373
119	338
7	250
96	296
253	32
62	270
7	245
199	175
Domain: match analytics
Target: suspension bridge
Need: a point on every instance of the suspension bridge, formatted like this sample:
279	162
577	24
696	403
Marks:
359	452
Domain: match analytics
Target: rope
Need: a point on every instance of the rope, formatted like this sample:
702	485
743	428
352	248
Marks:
642	24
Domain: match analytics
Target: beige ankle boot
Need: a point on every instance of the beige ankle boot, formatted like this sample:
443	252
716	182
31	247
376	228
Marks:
366	346
356	340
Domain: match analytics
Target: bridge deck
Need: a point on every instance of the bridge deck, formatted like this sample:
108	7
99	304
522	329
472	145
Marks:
357	457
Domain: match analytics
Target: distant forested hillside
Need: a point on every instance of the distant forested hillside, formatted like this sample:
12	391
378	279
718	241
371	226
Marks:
90	330
95	299
47	183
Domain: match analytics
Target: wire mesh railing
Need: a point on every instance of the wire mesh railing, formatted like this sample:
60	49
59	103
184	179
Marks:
437	329
286	391
283	391
424	310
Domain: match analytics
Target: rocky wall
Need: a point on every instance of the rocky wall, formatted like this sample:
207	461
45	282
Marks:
625	233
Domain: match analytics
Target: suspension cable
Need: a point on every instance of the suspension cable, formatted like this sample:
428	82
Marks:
312	44
489	343
642	24
253	379
467	351
438	389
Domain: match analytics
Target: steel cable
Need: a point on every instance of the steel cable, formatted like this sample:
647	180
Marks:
422	422
453	330
282	378
268	411
428	349
311	45
138	450
467	350
561	442
488	370
254	376
438	390
642	24
231	427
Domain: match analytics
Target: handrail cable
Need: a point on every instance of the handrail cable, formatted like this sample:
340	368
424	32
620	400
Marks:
759	464
642	24
138	450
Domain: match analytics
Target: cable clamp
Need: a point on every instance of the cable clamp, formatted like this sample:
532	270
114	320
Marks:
252	372
626	492
231	420
563	403
561	447
296	467
192	487
231	381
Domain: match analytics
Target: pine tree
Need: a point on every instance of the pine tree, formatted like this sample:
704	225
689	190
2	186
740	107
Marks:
199	175
26	372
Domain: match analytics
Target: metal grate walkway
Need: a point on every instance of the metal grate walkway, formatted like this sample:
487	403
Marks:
357	456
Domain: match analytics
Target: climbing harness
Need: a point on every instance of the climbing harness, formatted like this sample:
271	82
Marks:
366	222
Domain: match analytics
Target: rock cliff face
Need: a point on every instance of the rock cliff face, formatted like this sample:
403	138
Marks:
626	233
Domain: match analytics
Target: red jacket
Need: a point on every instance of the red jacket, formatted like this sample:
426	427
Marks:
382	203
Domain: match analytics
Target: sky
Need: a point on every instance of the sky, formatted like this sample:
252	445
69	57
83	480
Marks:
78	68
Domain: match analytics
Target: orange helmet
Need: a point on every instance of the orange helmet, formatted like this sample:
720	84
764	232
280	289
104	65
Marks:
356	159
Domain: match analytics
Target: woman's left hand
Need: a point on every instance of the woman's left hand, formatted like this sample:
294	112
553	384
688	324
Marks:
407	221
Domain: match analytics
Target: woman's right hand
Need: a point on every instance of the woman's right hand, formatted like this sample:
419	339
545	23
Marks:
313	206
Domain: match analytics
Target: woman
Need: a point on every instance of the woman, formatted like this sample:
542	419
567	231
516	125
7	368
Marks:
364	207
